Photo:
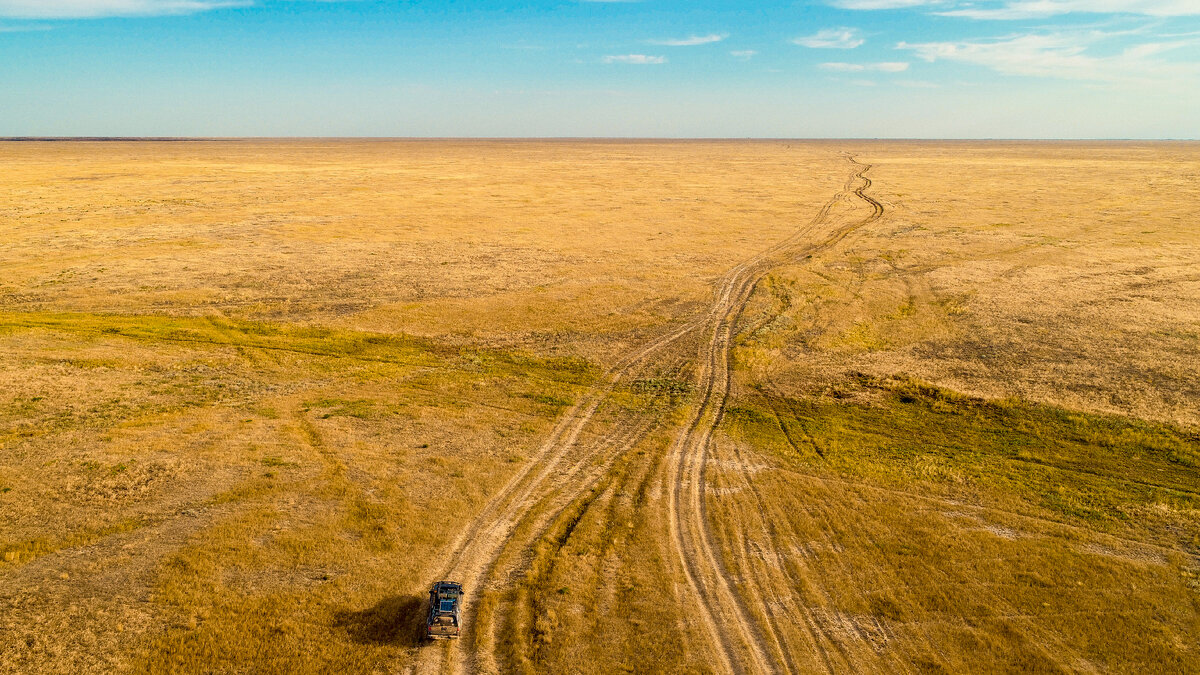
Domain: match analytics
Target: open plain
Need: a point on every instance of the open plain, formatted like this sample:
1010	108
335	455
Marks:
771	406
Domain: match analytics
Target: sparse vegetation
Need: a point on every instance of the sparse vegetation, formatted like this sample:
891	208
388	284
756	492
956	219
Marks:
943	505
251	395
1100	471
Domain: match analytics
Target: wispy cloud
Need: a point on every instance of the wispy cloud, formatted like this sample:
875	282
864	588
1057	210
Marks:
90	9
1065	55
832	38
636	59
1040	9
884	67
691	41
1031	9
743	54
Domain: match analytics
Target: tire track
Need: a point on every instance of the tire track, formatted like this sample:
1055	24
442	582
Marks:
570	485
478	546
818	611
596	498
739	642
563	469
574	484
601	493
584	483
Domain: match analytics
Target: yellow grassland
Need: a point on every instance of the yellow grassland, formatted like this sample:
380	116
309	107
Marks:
256	395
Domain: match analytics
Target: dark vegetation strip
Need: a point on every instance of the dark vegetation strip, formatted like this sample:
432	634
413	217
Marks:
1102	469
391	348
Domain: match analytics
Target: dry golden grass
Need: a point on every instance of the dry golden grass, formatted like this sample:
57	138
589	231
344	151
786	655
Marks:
1057	272
251	393
482	241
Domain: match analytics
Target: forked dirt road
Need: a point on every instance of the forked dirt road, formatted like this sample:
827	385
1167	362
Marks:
574	457
561	464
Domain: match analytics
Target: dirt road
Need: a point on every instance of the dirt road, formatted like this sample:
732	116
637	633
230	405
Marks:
581	447
742	644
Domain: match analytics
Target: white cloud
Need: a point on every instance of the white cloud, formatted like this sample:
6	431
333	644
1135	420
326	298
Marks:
89	9
637	59
1065	56
744	54
1040	9
691	41
832	38
884	67
1032	9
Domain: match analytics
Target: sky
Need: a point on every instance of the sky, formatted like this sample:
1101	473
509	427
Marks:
616	68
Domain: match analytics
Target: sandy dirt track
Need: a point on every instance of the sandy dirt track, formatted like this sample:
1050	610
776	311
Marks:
740	644
565	465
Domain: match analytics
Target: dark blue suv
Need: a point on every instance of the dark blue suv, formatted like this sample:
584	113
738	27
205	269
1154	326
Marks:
444	601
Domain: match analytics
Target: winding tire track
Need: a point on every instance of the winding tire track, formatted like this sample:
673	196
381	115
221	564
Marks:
566	467
739	643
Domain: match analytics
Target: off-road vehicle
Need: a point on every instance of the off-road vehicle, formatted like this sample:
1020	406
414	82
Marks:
444	602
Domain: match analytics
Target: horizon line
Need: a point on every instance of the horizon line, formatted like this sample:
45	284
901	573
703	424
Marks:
184	139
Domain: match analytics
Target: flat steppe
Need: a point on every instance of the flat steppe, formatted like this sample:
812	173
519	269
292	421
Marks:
700	406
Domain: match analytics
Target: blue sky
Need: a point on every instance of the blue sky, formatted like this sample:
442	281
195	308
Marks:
670	68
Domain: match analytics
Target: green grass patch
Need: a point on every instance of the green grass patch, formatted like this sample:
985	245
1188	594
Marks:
661	391
245	334
435	375
547	400
668	388
1102	469
384	348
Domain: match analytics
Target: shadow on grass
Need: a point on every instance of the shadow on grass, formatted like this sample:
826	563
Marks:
398	620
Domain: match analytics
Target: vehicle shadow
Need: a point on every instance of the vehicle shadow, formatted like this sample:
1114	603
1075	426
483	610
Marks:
398	620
